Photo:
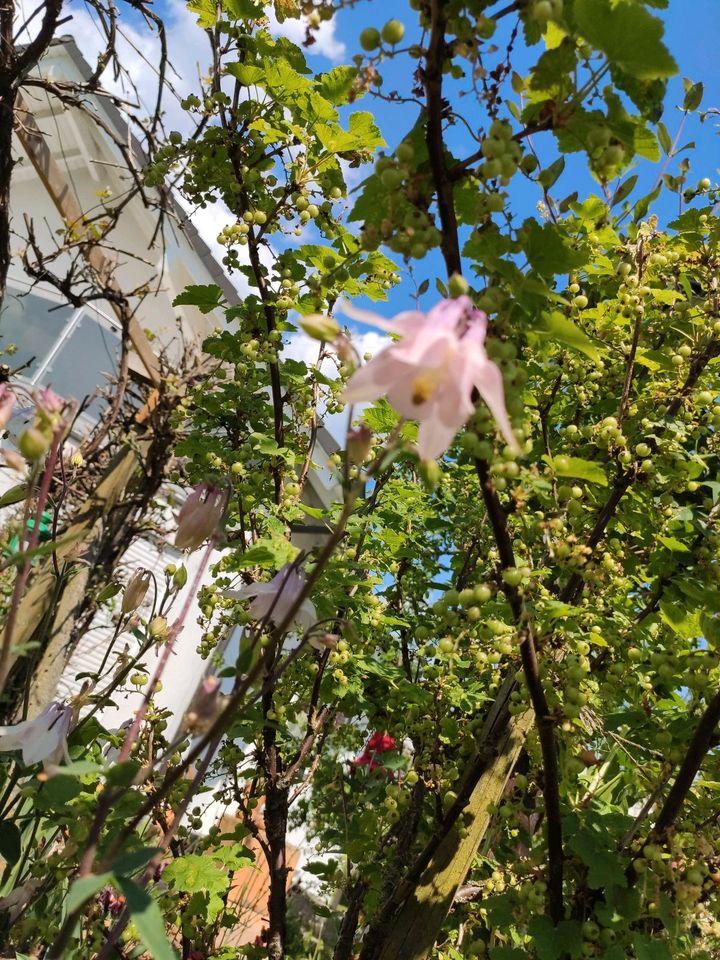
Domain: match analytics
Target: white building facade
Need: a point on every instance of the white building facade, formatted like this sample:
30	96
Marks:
75	350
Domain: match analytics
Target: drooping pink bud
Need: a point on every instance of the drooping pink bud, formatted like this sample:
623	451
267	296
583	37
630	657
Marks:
359	444
14	460
7	402
206	706
199	516
344	349
135	591
48	402
323	641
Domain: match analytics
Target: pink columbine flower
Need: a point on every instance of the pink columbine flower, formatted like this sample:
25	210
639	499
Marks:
429	373
7	402
275	598
43	738
199	516
48	402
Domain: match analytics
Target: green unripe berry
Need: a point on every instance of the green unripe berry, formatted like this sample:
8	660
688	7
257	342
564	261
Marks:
512	576
393	32
370	39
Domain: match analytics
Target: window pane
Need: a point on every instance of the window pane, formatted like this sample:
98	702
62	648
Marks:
82	364
32	324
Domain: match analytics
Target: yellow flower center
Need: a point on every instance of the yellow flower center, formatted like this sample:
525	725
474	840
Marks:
423	388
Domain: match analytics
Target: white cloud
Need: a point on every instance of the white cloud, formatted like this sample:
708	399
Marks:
326	43
298	346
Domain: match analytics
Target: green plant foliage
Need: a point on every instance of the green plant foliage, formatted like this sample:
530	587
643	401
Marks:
497	728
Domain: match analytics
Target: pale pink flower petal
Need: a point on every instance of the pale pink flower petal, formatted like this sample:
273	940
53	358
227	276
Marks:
42	738
490	387
276	598
434	437
396	325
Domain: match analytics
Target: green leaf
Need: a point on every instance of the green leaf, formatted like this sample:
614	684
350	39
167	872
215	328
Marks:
550	175
129	863
664	138
628	35
575	467
196	873
246	73
363	134
647	949
122	774
625	189
148	920
268	554
10	845
693	96
206	11
79	768
549	252
243	9
672	544
108	592
553	942
558	327
206	297
84	888
684	623
381	418
605	869
14	495
662	295
615	952
17	559
336	84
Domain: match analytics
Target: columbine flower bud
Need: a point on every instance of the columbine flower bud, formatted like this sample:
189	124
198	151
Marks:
179	577
49	403
7	402
34	444
14	460
158	629
199	516
359	443
320	327
323	641
77	459
207	705
135	590
344	349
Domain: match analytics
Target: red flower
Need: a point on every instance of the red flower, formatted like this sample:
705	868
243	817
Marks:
378	743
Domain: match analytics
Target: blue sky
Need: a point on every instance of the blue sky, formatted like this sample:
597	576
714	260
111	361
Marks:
693	36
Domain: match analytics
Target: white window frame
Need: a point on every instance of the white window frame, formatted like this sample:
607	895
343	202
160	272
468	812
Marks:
17	286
